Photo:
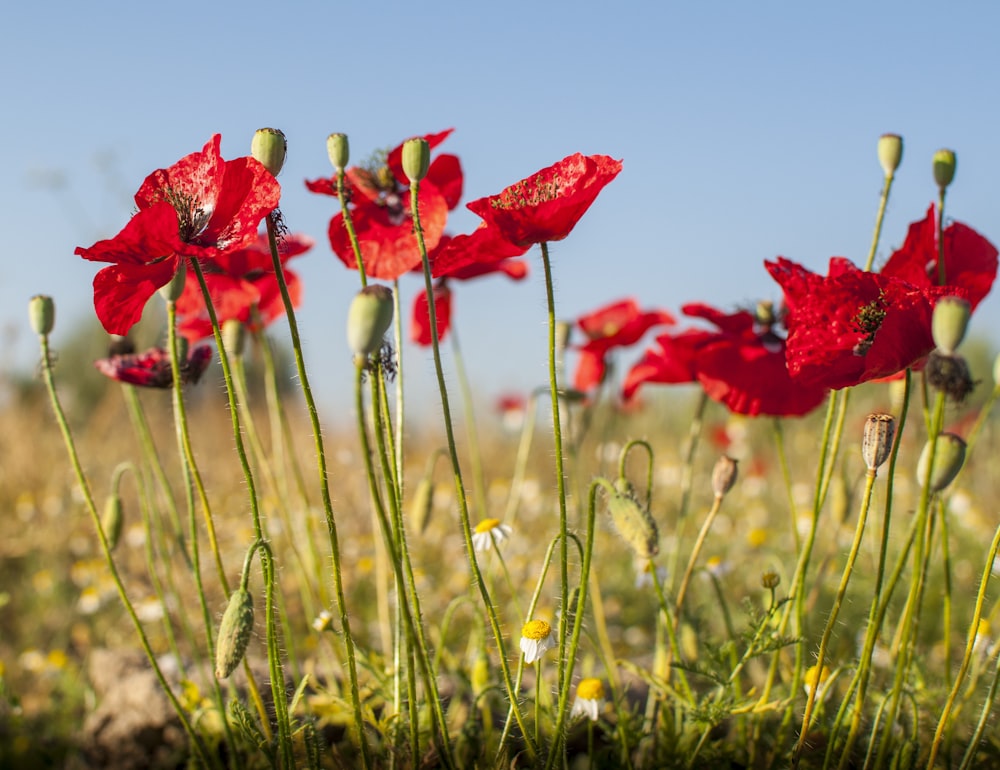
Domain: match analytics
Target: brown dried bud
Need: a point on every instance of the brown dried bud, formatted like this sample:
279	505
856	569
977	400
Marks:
949	374
877	441
723	475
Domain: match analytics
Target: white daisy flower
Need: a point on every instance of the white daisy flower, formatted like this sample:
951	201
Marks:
489	532
536	638
589	699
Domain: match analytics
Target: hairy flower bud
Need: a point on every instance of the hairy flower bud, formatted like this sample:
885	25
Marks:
416	158
269	146
112	520
890	152
42	314
634	523
368	319
234	336
234	633
949	323
422	505
171	291
339	150
723	475
949	455
877	441
944	167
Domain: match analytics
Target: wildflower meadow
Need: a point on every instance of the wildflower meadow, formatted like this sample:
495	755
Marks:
712	536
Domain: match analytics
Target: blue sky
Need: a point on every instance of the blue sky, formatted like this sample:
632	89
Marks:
747	131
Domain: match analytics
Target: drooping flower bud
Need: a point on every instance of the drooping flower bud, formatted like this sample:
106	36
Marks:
269	146
171	291
949	323
234	633
723	475
416	158
949	455
339	150
422	505
877	441
234	336
112	520
42	314
890	152
368	319
944	167
633	522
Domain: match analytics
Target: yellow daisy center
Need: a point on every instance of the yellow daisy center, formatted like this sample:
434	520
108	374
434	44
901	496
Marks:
590	689
486	525
536	630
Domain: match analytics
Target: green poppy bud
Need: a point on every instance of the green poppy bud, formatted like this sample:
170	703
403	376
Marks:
949	455
269	146
339	150
949	322
234	337
944	167
877	441
890	152
368	319
42	314
234	633
416	158
635	525
171	291
112	520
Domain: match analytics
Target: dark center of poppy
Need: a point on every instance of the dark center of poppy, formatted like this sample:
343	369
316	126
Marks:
389	194
192	217
868	321
529	192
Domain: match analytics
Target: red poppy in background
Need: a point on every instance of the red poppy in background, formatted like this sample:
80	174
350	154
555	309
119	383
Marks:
741	364
199	208
151	369
970	260
238	282
619	324
379	200
852	326
548	204
460	259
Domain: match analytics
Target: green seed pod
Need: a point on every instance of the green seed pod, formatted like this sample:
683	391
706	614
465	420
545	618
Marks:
339	150
171	291
877	440
949	323
422	505
723	475
635	525
944	164
890	152
42	314
416	158
234	633
234	337
112	520
368	319
949	455
269	146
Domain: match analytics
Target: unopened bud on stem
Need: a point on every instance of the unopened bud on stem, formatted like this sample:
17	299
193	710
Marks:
949	323
416	158
890	152
877	441
368	319
949	455
339	150
269	146
723	475
944	167
42	314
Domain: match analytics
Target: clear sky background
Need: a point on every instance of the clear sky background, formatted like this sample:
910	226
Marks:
747	130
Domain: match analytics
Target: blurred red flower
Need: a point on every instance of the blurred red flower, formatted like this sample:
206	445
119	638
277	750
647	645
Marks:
852	326
379	200
199	208
970	260
462	258
548	204
741	364
238	282
618	324
152	368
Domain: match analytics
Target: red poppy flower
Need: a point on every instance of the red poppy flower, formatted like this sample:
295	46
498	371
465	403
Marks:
852	326
462	258
152	368
547	205
238	282
616	325
379	201
741	365
199	208
970	260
